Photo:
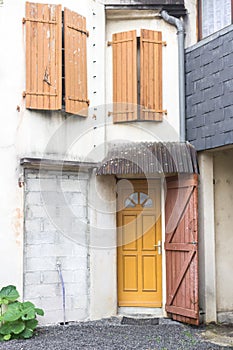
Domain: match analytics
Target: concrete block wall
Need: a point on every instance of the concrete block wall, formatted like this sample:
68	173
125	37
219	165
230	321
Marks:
209	88
56	230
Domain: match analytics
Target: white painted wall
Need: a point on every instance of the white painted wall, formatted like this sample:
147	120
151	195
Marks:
191	22
206	234
223	174
103	246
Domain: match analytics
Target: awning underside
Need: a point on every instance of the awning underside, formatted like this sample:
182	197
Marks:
149	158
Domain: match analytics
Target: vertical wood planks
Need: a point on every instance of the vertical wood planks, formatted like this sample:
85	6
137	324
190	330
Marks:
43	56
75	34
124	76
151	75
181	249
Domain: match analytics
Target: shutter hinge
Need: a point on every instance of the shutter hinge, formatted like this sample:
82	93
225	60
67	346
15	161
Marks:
163	43
25	93
164	111
24	20
70	98
110	43
82	31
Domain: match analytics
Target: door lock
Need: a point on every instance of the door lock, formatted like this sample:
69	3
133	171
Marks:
159	246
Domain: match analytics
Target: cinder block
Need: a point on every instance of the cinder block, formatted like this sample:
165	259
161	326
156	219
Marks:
33	198
38	264
32	278
73	185
35	211
33	237
49	290
73	263
33	225
77	290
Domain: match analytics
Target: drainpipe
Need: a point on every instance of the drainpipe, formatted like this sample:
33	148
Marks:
180	32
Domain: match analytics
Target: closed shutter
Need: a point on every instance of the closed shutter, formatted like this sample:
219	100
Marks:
181	246
151	75
75	34
43	56
124	76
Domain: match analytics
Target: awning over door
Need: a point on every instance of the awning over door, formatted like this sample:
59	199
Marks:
149	158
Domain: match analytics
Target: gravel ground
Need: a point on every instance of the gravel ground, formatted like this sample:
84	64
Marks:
110	334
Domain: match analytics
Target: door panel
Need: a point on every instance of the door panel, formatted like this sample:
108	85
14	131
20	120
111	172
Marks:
149	273
130	272
139	261
181	244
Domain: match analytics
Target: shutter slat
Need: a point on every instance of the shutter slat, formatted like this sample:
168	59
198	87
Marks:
151	75
43	56
76	100
124	46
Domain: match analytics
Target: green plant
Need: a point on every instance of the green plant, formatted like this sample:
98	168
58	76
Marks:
17	320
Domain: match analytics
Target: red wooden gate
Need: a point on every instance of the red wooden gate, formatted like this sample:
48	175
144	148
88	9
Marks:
181	246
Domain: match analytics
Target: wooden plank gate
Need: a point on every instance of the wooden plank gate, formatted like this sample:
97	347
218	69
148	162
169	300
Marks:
181	246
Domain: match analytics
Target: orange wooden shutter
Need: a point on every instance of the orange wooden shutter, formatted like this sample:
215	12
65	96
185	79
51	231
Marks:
181	245
124	76
43	56
151	75
75	62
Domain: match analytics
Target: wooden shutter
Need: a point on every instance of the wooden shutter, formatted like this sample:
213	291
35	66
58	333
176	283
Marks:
43	56
151	75
181	245
75	62
124	46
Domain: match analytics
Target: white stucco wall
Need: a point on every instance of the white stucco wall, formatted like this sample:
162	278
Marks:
191	22
206	234
223	175
103	246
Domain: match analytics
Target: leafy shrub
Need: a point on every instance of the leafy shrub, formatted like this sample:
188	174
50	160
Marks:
17	320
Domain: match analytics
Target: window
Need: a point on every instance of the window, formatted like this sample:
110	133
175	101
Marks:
50	71
137	76
138	198
214	15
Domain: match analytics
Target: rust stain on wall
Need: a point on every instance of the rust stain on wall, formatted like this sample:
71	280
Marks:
17	222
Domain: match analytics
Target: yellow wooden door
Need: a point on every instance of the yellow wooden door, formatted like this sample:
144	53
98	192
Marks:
139	248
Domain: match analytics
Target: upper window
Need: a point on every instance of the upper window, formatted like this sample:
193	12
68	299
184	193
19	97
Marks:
137	76
44	59
214	15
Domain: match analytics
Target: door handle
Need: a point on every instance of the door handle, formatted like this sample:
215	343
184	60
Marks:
159	246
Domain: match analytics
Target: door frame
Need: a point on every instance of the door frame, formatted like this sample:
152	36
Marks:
160	182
